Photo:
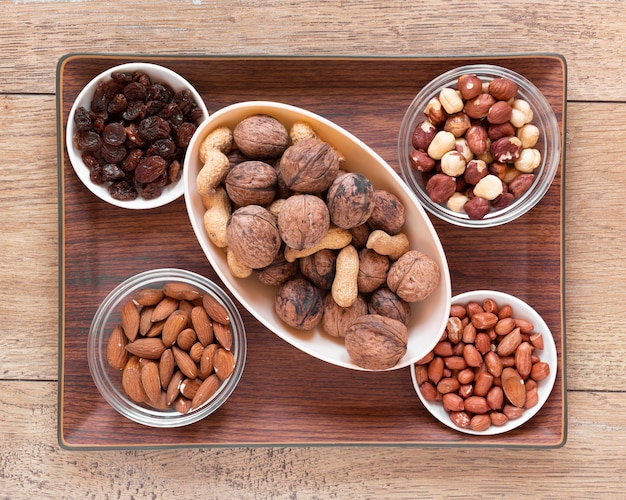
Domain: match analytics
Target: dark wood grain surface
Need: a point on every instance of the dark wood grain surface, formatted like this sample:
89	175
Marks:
286	396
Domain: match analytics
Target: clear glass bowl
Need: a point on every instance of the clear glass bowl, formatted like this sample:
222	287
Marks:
549	145
109	380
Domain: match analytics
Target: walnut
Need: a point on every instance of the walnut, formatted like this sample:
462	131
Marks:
414	276
388	214
299	304
278	272
303	221
375	342
373	269
261	137
235	157
350	200
252	236
319	268
337	319
309	166
360	234
251	183
386	303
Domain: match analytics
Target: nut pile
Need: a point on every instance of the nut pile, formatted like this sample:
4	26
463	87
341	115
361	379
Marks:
282	208
485	368
476	149
135	135
173	346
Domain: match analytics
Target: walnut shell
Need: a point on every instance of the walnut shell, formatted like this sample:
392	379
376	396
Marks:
337	319
386	303
388	214
261	137
309	166
299	304
350	200
252	236
303	221
373	269
414	276
375	342
319	268
251	182
278	272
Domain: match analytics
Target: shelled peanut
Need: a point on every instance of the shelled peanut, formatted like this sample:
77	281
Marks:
485	368
477	146
173	346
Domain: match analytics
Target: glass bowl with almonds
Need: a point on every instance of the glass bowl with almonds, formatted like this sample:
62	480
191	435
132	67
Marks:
166	348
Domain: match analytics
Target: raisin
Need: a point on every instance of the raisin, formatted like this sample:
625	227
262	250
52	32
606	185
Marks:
151	191
160	92
114	134
185	101
118	104
184	134
112	154
132	160
89	140
136	110
123	190
82	119
132	134
175	172
99	100
149	169
153	128
122	76
173	114
89	159
165	148
135	91
96	174
111	172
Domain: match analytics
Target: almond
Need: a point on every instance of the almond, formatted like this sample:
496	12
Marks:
189	387
195	352
166	367
185	363
206	361
202	324
145	319
223	334
174	324
513	387
215	310
131	380
181	291
186	339
148	296
164	308
223	363
151	381
173	388
182	404
206	390
149	348
117	355
130	320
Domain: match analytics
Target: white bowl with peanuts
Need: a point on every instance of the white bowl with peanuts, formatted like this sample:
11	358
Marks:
222	210
494	367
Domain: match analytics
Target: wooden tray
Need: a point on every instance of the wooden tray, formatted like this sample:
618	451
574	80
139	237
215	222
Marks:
286	397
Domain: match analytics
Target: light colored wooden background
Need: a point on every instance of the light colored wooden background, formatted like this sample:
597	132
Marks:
34	34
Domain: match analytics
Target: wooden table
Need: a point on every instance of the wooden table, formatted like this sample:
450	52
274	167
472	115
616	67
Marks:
35	35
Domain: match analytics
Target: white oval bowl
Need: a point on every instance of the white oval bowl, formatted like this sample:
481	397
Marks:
156	73
428	318
544	387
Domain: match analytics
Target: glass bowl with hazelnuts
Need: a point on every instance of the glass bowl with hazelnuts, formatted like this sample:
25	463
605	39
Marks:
480	146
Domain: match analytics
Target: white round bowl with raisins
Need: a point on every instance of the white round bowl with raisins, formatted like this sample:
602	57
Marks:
128	131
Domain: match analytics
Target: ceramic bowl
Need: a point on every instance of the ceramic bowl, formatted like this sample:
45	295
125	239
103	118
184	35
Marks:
108	380
548	145
157	74
428	317
548	354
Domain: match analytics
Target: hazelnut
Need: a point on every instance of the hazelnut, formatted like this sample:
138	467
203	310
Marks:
450	100
386	303
435	113
529	135
261	137
414	276
441	144
489	187
252	236
476	137
440	187
373	269
375	342
299	304
420	161
469	86
478	107
461	146
350	200
337	319
500	130
278	272
457	124
423	135
453	164
499	113
502	201
319	268
476	208
506	149
309	166
388	213
521	184
303	221
251	183
475	171
457	202
528	160
502	88
521	114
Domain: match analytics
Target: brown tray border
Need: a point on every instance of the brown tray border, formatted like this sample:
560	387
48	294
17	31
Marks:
459	440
